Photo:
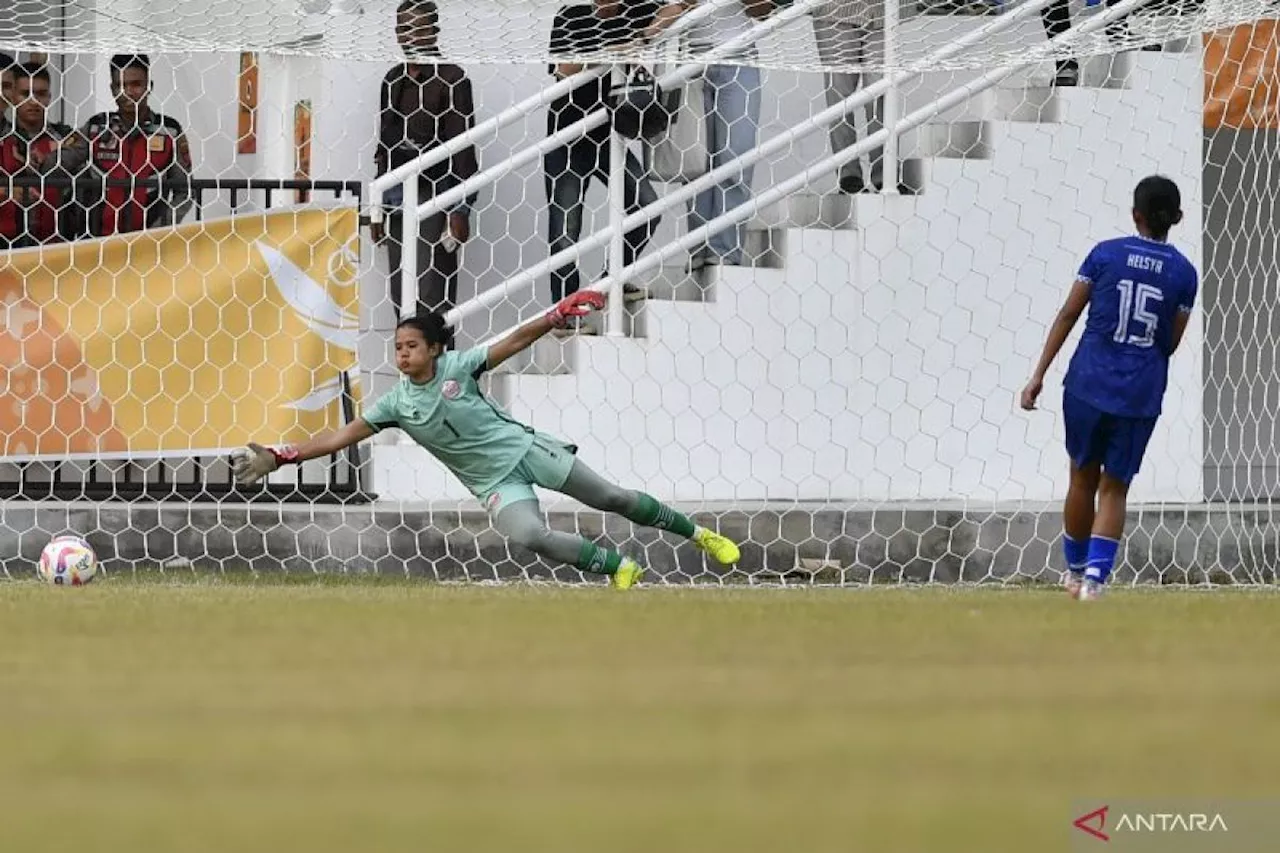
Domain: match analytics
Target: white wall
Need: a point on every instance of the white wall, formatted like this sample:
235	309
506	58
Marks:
883	362
934	305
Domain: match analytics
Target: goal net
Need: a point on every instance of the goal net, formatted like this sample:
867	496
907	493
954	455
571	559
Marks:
194	254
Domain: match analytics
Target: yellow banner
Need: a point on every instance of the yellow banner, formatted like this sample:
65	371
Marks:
179	341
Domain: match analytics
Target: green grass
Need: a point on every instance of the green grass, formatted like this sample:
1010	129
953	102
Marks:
316	717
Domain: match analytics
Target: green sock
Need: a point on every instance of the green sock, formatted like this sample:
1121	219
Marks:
601	561
649	512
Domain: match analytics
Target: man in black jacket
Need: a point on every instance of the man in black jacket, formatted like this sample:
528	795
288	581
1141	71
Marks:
425	103
585	29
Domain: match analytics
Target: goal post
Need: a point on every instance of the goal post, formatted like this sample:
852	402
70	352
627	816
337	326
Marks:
837	391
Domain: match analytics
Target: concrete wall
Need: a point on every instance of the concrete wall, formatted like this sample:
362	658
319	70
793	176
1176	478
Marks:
970	543
882	361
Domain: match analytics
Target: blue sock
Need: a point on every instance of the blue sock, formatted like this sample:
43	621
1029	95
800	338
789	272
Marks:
1077	553
1102	558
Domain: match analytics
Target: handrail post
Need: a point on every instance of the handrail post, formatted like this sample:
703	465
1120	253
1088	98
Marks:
615	318
409	231
409	250
889	168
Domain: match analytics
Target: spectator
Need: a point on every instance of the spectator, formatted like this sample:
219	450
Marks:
731	98
6	87
851	32
133	142
425	103
583	29
32	215
1057	20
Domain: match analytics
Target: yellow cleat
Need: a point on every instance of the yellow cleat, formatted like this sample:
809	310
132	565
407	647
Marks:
721	548
627	575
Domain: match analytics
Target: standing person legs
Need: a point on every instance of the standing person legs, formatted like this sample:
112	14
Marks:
566	171
1106	452
437	266
436	276
1056	18
732	99
842	43
637	192
394	278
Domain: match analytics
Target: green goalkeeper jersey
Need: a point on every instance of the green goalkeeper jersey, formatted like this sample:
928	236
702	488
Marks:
456	422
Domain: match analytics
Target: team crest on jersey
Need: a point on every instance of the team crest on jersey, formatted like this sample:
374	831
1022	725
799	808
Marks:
451	389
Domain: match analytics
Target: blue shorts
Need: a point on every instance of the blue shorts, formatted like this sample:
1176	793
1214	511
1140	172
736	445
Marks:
1096	436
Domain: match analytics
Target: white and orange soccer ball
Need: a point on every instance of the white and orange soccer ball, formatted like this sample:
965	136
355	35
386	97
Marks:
67	561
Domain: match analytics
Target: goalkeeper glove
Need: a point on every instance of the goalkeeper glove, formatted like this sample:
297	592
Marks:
250	464
578	304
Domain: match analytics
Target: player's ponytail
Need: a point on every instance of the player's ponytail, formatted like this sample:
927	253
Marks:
1157	200
431	325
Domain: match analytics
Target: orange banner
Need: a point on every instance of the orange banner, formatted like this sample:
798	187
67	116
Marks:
176	341
1242	76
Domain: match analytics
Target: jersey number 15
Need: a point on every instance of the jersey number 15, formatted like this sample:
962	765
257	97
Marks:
1133	309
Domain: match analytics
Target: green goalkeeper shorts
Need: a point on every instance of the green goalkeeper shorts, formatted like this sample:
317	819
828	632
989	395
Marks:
547	463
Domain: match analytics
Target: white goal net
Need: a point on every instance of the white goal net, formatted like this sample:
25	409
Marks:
194	254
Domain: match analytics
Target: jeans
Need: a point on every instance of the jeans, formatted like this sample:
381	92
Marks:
841	41
567	173
731	98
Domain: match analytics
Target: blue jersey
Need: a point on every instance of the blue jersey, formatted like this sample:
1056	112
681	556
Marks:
1137	286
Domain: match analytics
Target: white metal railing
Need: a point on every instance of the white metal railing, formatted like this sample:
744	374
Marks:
911	121
894	126
780	142
407	173
515	113
682	74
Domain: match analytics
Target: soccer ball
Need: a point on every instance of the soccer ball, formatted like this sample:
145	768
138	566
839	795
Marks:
67	561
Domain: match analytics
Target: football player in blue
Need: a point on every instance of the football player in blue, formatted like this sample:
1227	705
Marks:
1139	291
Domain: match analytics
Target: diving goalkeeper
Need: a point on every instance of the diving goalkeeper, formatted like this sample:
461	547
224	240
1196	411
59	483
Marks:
438	403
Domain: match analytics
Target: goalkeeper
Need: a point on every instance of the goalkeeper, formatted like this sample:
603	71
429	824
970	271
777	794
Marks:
438	403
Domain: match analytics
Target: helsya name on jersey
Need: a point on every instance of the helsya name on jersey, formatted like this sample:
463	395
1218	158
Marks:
1146	262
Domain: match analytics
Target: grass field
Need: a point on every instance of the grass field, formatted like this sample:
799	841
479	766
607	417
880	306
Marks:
321	716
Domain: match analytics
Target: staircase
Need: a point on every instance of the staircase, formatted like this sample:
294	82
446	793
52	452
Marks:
873	350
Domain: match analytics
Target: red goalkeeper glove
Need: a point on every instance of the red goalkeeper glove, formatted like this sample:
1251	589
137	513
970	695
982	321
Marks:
250	464
578	304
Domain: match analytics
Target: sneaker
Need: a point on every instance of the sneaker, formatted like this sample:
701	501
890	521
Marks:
634	293
721	548
1068	74
702	260
1072	581
627	575
852	185
1091	590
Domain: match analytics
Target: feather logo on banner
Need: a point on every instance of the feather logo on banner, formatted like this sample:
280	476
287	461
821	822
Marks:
311	301
323	395
320	397
322	315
